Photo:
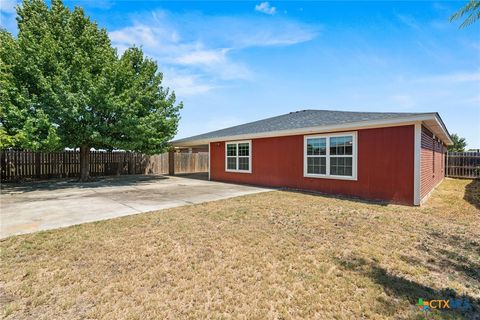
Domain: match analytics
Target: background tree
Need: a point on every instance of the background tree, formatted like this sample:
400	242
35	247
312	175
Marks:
471	10
67	87
458	145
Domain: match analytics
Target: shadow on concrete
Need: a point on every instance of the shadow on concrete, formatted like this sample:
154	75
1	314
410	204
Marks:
97	182
196	176
472	193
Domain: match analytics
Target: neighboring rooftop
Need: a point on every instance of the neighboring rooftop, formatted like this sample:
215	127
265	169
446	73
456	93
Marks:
300	120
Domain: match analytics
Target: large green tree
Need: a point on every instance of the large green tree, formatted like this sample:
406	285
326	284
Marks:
63	85
458	145
22	125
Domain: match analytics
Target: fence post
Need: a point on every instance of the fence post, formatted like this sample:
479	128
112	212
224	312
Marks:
3	162
171	163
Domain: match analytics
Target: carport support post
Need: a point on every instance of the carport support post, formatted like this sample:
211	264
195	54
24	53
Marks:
171	162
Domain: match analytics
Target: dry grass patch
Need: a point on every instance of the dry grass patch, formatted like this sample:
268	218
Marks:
276	255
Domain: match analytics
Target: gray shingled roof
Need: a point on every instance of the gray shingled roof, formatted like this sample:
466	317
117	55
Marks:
297	120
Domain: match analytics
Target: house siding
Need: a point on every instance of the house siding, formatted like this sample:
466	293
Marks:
432	162
384	171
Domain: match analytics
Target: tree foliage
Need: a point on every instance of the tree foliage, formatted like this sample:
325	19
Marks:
64	85
22	124
472	12
458	145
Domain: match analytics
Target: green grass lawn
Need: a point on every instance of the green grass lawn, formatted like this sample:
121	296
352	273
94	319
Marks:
275	255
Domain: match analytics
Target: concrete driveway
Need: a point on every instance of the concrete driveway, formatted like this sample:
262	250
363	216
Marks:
32	207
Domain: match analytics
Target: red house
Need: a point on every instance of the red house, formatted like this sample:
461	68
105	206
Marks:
394	157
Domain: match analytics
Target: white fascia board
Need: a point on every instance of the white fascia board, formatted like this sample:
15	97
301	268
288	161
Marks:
319	129
436	126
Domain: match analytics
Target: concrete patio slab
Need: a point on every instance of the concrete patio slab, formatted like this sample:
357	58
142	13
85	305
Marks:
31	207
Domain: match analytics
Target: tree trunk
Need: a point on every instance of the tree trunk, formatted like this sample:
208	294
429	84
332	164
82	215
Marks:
84	163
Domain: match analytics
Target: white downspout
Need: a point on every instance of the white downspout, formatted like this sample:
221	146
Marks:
417	163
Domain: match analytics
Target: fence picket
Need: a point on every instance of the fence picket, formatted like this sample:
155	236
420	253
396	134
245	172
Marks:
32	165
463	165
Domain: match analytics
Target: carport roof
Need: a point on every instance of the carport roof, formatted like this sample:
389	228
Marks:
310	121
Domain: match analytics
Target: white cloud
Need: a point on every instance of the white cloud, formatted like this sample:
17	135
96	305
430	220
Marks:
408	20
266	8
7	15
143	35
221	122
404	101
206	57
280	33
215	61
199	48
457	77
8	6
186	84
210	122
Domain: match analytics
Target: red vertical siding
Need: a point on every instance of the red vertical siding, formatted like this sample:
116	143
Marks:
432	162
385	165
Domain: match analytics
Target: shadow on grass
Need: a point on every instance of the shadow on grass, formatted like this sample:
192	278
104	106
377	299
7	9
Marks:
399	287
456	255
472	193
453	252
337	196
97	182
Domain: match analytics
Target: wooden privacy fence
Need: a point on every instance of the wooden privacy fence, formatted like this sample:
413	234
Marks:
463	165
191	162
29	165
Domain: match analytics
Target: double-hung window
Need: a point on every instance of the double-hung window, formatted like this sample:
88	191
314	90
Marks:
238	156
331	156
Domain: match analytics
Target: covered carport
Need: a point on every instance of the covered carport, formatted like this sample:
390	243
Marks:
186	158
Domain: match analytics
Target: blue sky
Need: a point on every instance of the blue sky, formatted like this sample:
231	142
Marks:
234	62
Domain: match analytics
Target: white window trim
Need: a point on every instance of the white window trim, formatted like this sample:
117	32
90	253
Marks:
353	134
237	156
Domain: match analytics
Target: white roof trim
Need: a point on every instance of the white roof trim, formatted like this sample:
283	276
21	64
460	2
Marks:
431	121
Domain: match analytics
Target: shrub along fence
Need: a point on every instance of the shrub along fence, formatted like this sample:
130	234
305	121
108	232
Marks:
463	165
29	165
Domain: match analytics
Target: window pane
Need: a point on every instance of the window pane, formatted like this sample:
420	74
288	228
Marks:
232	163
316	165
348	150
348	145
231	149
316	146
341	166
243	149
348	171
243	163
341	145
333	170
333	145
313	165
